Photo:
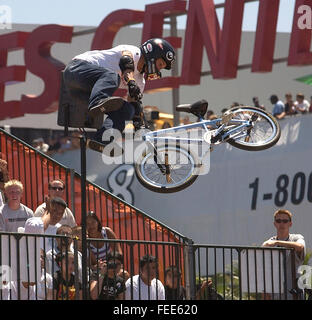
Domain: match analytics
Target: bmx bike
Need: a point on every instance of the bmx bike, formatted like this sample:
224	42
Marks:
170	165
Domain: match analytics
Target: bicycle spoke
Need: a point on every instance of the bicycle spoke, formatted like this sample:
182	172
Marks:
178	167
261	129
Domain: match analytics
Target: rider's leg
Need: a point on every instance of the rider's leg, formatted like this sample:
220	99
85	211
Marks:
101	100
79	79
85	79
138	115
116	120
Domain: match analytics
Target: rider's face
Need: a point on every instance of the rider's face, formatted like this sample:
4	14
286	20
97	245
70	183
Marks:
160	64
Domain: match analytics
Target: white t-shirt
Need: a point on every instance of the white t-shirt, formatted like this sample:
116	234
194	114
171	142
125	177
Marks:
11	220
10	290
109	59
298	258
141	291
35	225
68	217
52	266
304	105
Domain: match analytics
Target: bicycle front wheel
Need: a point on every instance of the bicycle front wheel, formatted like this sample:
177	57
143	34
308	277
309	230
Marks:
167	169
263	132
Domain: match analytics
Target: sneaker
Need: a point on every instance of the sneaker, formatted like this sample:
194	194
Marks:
95	145
100	146
106	105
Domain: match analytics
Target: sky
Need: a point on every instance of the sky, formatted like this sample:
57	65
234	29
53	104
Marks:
92	12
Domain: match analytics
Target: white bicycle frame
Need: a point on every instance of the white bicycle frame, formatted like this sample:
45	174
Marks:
234	132
203	155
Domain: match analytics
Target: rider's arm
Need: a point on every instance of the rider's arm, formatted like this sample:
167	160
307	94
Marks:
126	65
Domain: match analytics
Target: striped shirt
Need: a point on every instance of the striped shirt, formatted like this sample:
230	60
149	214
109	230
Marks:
100	253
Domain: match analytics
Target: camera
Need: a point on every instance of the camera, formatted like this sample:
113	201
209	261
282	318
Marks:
151	115
112	265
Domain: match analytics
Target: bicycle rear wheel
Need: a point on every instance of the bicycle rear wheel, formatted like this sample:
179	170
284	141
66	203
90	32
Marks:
176	169
263	132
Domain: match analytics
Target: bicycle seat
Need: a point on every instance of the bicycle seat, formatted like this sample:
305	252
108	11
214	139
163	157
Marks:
198	108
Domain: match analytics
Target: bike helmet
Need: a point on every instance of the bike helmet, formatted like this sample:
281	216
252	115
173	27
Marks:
154	49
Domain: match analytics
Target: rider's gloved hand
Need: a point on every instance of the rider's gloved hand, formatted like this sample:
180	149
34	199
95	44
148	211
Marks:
134	90
137	122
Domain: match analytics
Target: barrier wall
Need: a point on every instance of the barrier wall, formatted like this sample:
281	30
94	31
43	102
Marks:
234	203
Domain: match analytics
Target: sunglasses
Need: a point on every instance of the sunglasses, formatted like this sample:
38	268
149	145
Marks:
57	188
281	220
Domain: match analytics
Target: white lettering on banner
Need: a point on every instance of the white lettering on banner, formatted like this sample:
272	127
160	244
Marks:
121	188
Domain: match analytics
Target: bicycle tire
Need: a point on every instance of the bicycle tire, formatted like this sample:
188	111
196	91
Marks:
258	145
163	188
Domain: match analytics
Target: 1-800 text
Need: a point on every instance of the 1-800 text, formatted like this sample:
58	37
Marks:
294	188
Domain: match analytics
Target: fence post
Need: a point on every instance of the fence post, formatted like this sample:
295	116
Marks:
295	290
239	251
190	275
77	274
72	194
83	218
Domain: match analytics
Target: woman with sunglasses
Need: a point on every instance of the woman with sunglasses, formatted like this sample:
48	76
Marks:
56	188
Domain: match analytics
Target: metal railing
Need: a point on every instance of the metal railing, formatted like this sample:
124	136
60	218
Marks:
243	272
35	169
32	269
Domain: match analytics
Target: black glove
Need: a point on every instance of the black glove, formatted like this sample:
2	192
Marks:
134	90
138	122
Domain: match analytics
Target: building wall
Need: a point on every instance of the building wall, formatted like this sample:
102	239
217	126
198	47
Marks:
219	93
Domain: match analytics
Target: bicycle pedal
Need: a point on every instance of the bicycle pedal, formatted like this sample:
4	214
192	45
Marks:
95	145
113	151
226	118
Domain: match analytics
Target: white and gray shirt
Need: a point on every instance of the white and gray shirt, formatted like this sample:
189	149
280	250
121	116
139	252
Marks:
11	220
109	59
299	258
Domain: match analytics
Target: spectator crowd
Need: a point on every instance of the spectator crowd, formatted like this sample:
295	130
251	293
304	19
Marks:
281	108
58	145
61	261
61	272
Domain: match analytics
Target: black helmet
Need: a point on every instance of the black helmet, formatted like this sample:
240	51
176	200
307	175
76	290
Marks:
154	49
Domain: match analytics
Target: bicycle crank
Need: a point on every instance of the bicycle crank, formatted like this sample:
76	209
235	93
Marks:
167	166
254	118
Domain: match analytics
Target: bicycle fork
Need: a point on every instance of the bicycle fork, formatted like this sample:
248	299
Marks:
164	168
221	135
